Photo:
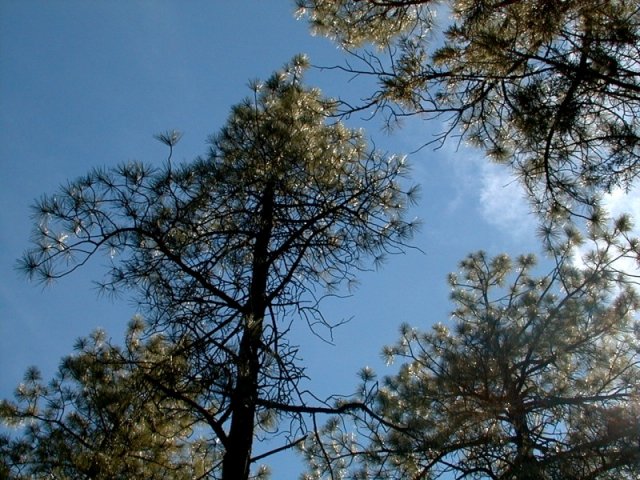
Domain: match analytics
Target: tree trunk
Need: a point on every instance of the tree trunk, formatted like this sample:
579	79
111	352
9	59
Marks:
237	458
525	465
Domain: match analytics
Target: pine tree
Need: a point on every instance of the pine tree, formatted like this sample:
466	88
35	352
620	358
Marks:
103	417
225	252
534	377
551	88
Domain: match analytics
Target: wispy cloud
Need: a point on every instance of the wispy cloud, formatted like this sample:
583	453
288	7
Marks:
498	197
503	202
620	201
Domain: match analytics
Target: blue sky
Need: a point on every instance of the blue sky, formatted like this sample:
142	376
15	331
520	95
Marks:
85	84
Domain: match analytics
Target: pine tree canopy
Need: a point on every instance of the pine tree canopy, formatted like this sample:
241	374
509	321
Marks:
534	377
102	417
225	252
550	87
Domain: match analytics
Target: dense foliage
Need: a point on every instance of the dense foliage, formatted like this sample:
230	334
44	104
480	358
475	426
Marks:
102	417
551	88
534	377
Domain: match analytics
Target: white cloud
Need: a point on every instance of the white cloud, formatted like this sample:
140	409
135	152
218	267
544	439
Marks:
619	202
498	197
503	202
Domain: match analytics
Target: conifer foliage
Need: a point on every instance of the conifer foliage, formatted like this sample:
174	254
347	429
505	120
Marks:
550	87
223	253
103	416
534	377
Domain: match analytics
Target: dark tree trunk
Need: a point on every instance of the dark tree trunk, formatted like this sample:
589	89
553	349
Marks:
525	465
237	459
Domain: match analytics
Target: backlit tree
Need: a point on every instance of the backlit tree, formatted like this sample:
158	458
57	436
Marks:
102	417
223	253
534	377
551	88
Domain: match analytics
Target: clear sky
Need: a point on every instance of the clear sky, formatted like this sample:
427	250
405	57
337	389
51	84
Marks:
85	84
